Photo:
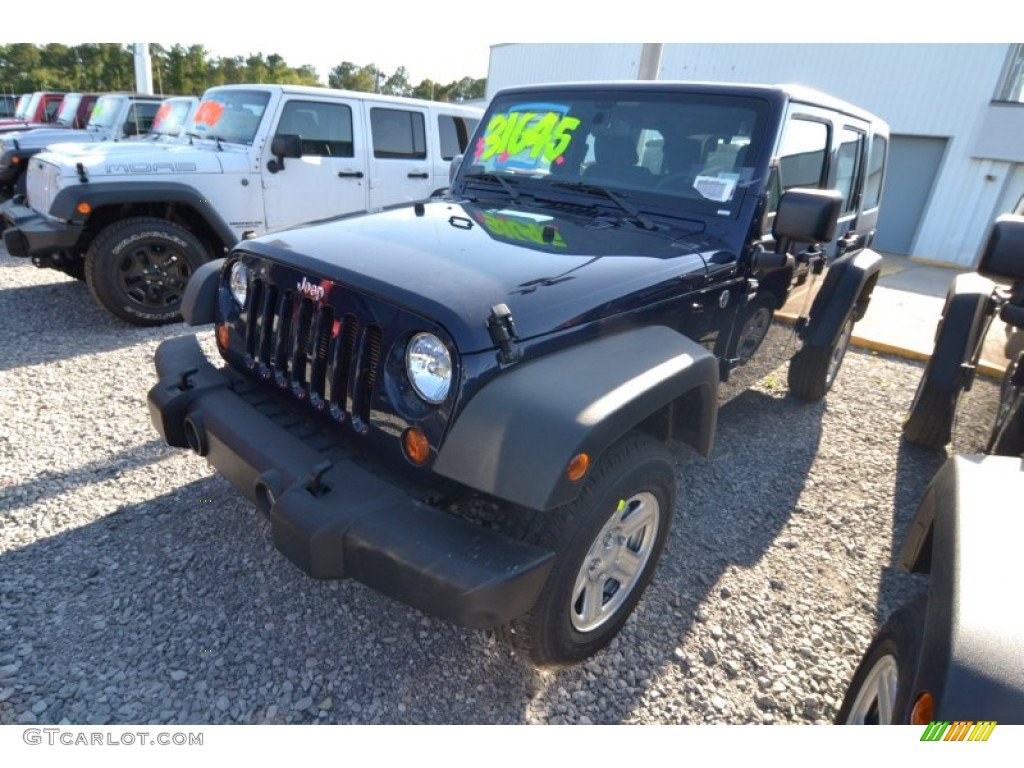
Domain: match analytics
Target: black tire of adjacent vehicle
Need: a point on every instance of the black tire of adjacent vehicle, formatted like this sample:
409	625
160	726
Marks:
108	256
1007	436
636	467
930	421
900	637
814	369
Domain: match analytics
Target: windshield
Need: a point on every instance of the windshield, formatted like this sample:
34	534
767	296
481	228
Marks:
104	113
170	118
30	106
69	108
229	115
671	149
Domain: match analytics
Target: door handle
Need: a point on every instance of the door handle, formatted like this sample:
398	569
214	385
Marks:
350	174
418	175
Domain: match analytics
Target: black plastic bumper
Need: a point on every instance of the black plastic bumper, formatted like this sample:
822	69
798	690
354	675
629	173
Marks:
335	519
26	233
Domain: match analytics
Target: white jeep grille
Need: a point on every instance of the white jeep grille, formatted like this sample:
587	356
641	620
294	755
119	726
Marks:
41	186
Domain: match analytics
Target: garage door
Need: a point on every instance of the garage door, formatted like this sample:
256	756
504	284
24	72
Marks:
913	165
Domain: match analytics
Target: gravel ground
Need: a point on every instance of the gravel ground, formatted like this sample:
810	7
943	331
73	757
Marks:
137	587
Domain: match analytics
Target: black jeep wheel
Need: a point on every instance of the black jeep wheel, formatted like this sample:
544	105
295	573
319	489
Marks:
879	693
138	269
813	369
607	543
930	421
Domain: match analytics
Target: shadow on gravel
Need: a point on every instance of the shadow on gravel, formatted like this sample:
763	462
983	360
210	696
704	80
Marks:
180	610
60	321
47	483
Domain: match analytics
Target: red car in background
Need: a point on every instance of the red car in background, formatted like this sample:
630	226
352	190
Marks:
41	107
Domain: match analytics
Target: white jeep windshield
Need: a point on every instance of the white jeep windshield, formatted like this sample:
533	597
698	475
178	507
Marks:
105	112
69	108
170	118
229	114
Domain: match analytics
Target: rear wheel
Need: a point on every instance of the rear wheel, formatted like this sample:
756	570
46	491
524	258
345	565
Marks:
607	543
138	269
813	370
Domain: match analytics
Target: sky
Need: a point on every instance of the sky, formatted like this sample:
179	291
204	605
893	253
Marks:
445	41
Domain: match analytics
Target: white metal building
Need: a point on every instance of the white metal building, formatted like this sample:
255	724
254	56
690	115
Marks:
956	113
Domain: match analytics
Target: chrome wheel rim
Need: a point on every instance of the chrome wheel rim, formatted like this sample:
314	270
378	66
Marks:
615	562
838	353
876	698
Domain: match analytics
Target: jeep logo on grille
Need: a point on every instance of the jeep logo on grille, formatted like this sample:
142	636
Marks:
315	292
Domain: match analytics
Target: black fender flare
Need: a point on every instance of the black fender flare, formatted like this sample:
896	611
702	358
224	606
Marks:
959	331
199	304
841	292
515	437
965	535
101	195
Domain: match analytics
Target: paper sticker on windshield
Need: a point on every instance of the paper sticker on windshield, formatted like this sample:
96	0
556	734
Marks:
208	114
528	136
718	188
161	115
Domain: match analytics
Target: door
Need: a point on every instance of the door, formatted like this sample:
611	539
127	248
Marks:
913	167
400	168
330	178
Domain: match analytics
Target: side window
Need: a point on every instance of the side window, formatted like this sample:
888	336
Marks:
848	161
325	129
802	155
454	131
876	163
145	114
52	108
398	134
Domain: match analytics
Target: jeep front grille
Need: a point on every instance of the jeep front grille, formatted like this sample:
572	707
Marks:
41	184
330	362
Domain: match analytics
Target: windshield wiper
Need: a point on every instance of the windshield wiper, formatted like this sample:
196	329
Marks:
512	191
640	218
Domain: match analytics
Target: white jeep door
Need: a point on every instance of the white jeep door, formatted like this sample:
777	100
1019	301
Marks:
400	168
331	176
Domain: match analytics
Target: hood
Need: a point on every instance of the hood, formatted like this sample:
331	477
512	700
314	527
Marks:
9	128
136	158
38	138
454	261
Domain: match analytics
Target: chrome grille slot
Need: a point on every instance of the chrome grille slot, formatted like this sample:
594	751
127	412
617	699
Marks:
313	351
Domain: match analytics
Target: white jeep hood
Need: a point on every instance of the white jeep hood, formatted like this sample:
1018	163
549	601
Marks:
137	158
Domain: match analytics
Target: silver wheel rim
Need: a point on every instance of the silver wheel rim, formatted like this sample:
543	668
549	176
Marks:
615	562
838	352
876	698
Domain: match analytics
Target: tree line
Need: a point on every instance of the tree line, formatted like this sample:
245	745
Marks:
190	70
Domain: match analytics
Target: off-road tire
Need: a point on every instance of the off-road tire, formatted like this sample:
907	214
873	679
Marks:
146	244
899	639
930	421
814	369
637	467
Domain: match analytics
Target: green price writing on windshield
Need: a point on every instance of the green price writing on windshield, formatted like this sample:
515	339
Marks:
546	135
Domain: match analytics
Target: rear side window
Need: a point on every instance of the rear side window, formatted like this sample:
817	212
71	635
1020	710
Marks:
454	131
325	129
848	161
398	134
876	164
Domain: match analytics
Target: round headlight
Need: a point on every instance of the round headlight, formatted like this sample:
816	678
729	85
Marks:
429	365
239	282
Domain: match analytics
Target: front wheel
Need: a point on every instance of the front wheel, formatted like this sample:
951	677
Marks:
813	370
879	693
138	269
607	543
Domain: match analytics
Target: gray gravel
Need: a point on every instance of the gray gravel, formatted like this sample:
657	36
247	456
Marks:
137	587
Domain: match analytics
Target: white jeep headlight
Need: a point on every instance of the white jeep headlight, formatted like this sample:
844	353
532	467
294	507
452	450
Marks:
429	366
239	282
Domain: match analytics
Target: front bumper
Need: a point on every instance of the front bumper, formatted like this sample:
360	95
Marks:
26	233
331	516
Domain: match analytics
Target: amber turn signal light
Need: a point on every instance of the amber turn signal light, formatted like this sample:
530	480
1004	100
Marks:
577	467
924	710
222	336
15	160
84	208
417	449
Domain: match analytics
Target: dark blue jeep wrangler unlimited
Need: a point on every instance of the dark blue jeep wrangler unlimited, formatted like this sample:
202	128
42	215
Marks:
611	262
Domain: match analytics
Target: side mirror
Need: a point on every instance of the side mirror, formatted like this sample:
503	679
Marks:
807	215
454	168
1002	258
284	145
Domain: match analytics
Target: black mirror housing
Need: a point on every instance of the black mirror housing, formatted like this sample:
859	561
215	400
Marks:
287	145
1002	258
807	215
